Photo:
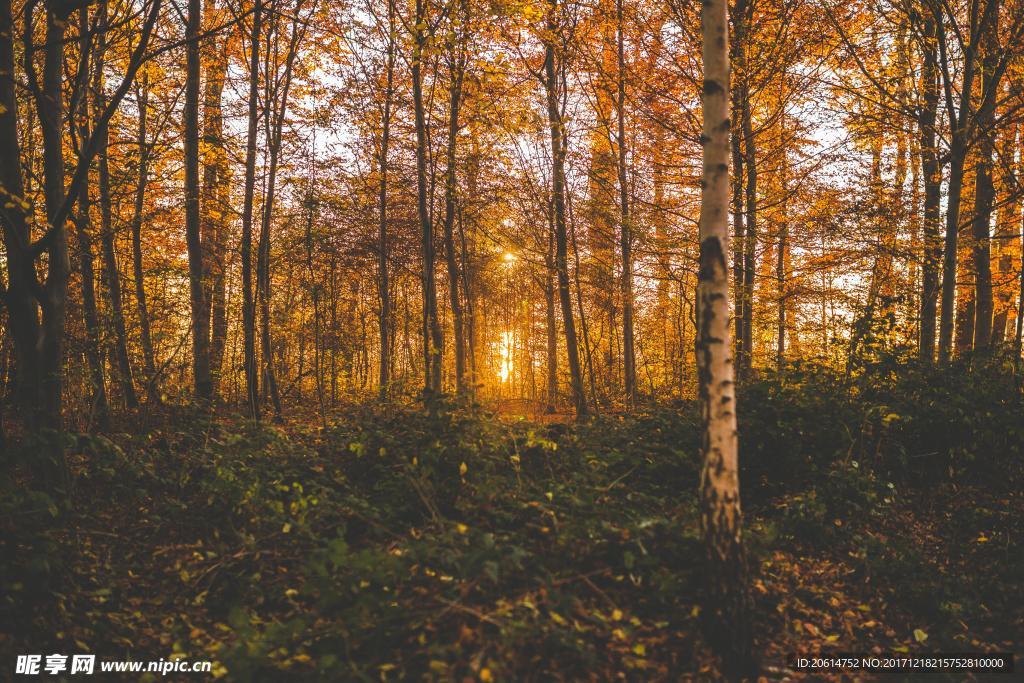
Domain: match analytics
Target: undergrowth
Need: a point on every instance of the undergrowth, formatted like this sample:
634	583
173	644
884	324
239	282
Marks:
396	544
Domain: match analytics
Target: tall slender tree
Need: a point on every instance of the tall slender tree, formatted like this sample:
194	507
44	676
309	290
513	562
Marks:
433	338
727	600
248	299
201	377
555	126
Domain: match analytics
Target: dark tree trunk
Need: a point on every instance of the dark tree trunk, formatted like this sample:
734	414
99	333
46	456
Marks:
932	193
111	274
626	234
750	241
550	320
22	307
984	188
202	379
248	301
558	202
148	357
739	231
742	134
214	204
276	107
93	352
383	284
782	261
86	261
433	339
457	72
958	154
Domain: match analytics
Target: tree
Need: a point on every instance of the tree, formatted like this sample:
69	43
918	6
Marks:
111	274
456	75
625	227
383	281
215	200
201	376
248	300
554	112
37	310
727	602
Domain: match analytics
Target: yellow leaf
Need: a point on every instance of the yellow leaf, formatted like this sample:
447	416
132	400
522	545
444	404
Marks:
462	528
920	636
463	469
639	650
485	675
616	615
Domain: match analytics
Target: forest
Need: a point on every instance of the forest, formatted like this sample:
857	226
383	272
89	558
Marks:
440	340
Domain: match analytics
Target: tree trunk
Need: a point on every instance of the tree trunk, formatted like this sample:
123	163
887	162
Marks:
984	189
958	154
248	302
274	111
628	352
932	172
456	72
200	319
136	228
1018	337
551	323
93	352
86	261
215	200
383	284
22	307
111	274
727	601
958	134
558	203
433	338
750	241
738	55
782	262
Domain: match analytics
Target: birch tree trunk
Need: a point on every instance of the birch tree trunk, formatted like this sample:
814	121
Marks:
727	604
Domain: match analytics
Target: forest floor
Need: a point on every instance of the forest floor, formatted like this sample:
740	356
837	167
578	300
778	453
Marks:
395	545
